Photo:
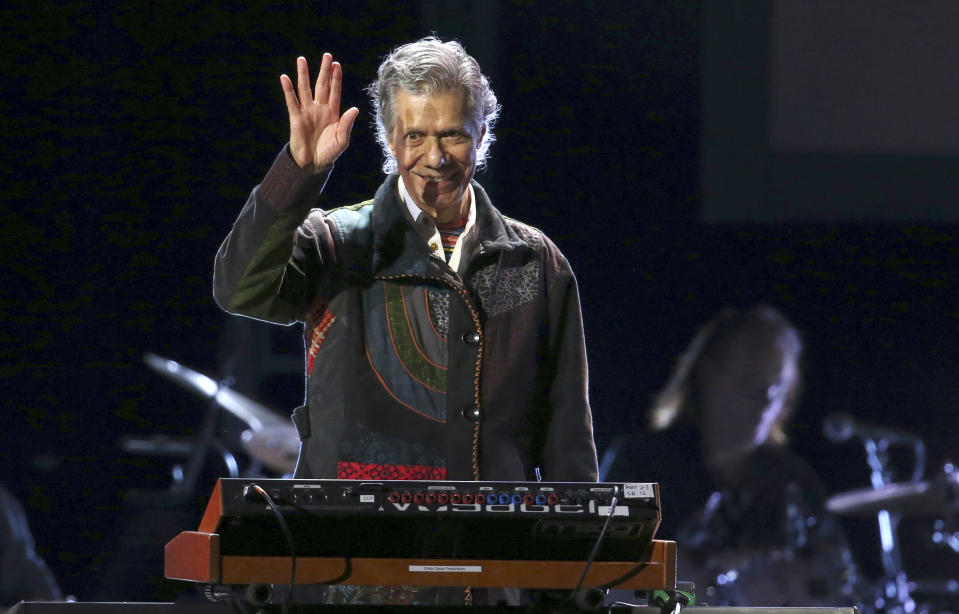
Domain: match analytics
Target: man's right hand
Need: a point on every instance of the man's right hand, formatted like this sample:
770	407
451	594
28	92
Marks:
318	133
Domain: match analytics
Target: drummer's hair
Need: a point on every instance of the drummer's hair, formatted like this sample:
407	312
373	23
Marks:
761	325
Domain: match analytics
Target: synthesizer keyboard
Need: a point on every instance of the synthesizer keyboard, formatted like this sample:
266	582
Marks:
436	519
437	533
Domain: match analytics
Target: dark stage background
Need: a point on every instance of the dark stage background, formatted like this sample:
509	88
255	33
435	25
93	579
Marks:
659	143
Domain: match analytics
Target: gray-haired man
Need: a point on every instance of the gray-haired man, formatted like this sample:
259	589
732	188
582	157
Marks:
443	340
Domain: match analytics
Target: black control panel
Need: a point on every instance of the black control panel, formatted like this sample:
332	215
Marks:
439	519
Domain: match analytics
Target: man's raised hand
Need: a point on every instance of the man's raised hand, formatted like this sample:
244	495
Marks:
318	133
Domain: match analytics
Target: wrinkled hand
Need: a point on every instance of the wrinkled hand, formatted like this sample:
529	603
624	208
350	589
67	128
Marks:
318	133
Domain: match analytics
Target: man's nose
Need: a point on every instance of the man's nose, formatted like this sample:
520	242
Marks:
436	155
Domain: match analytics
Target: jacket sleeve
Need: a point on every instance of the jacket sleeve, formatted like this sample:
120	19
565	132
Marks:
570	452
260	269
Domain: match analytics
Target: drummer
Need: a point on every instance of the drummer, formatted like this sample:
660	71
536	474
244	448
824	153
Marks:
762	538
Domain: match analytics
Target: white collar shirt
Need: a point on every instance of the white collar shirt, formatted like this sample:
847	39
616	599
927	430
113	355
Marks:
426	227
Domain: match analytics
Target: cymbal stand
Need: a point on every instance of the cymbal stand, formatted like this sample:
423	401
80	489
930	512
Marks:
202	444
894	583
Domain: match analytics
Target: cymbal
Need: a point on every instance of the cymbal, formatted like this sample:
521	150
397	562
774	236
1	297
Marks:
931	497
257	416
276	446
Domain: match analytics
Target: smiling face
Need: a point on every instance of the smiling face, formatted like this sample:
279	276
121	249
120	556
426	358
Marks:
435	145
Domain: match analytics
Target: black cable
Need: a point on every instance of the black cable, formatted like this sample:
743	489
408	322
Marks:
628	575
347	572
347	560
599	540
289	543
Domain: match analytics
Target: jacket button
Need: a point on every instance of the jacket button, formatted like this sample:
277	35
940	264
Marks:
472	413
471	338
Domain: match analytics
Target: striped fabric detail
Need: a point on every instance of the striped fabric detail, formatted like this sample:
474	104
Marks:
450	234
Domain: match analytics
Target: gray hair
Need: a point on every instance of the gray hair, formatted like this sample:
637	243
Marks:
424	67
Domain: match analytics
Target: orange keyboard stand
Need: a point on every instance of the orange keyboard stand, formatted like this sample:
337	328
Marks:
195	556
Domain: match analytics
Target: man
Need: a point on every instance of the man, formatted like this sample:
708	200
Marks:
443	340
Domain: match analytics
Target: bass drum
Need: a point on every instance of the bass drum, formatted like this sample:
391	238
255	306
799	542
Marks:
824	577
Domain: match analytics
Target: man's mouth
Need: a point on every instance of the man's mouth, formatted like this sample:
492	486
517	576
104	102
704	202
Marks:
441	179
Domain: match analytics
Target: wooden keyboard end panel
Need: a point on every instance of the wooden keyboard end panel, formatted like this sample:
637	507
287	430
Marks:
193	556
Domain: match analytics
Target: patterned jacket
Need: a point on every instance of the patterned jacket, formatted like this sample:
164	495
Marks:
412	371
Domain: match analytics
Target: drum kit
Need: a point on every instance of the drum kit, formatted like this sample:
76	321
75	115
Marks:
934	501
270	438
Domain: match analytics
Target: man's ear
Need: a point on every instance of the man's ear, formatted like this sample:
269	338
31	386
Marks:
479	141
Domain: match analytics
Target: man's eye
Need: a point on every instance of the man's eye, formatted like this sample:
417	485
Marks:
414	136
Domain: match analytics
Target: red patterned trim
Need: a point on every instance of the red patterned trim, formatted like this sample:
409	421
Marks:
374	471
316	340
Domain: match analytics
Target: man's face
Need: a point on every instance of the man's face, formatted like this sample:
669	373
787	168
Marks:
435	149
